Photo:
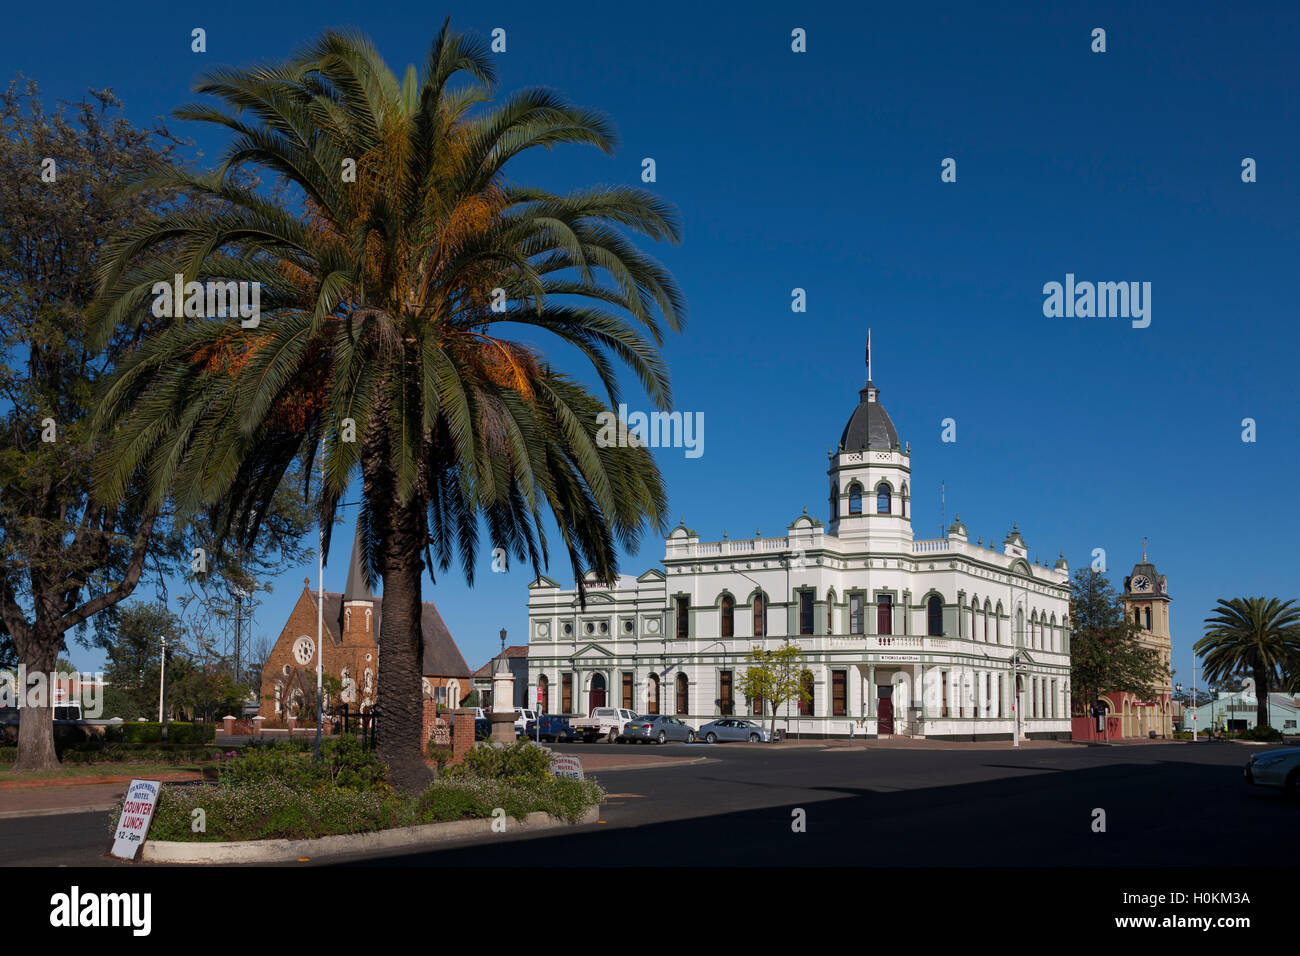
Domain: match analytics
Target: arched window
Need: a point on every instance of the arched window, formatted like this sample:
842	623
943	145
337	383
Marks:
760	616
883	499
884	614
1148	616
652	704
1020	627
855	499
728	616
830	612
986	621
902	499
934	608
1137	617
683	694
835	503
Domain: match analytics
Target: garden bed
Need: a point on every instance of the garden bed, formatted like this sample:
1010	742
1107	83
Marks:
279	793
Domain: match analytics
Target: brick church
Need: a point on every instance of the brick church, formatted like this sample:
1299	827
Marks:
351	652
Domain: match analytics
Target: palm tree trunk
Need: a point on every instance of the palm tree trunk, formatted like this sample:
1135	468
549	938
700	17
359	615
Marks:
1261	697
401	650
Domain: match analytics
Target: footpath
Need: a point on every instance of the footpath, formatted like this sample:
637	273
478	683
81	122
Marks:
36	798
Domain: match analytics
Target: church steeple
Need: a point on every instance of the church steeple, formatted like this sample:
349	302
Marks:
356	588
357	615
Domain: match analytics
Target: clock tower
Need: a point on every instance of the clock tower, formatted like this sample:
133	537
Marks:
1146	604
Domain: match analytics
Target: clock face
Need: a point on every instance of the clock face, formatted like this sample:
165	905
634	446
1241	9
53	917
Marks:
303	649
1140	583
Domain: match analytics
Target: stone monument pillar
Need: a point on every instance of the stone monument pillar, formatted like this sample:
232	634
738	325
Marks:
503	701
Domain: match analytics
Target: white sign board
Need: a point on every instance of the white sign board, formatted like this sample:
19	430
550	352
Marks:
137	813
567	767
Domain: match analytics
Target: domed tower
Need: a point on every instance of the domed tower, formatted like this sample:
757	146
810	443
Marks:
869	473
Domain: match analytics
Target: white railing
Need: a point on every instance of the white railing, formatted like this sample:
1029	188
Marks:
931	545
719	548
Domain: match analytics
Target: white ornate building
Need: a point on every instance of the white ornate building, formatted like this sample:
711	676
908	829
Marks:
877	614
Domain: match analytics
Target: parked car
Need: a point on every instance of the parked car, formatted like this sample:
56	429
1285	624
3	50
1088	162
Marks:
482	728
660	729
607	722
1275	768
733	728
522	717
555	729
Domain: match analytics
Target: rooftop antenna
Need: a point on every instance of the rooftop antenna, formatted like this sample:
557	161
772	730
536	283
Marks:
868	355
1144	549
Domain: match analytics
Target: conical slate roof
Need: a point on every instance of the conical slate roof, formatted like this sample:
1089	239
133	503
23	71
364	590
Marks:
356	588
869	426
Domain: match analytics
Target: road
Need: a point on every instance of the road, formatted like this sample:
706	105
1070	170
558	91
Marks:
1164	805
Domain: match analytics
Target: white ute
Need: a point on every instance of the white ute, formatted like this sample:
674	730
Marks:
607	722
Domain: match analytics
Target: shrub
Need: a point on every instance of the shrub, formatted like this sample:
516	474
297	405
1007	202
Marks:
269	809
344	764
1260	733
441	757
519	762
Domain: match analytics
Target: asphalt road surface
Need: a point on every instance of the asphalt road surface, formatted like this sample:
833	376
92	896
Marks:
1164	805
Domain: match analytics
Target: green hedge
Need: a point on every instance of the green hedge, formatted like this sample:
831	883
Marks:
150	732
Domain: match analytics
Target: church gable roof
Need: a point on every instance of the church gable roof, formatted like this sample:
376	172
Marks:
442	658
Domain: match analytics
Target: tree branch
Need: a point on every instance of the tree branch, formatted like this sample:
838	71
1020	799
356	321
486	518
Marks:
139	549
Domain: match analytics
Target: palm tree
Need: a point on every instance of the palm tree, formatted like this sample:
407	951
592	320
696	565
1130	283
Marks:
387	260
1252	635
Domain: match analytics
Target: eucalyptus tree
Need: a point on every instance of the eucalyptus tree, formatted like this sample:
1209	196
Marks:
388	270
65	560
1256	636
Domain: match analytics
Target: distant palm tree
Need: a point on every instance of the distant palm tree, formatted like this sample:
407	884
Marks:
387	261
1252	635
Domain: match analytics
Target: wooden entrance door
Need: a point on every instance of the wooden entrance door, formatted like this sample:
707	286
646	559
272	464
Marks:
886	715
597	691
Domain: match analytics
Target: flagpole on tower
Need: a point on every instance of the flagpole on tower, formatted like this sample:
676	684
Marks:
868	355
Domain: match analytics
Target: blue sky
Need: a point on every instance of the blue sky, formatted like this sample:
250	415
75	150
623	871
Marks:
821	170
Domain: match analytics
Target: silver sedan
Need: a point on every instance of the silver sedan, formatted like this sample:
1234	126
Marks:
733	728
1276	768
660	729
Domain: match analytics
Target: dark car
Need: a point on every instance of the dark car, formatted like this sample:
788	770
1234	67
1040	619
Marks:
555	729
482	728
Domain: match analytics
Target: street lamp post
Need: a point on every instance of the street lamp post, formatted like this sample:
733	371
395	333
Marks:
162	692
1194	698
320	616
1015	698
1015	667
